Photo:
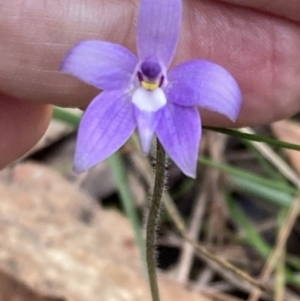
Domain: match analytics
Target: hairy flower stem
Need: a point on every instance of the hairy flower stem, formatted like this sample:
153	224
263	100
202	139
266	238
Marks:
153	217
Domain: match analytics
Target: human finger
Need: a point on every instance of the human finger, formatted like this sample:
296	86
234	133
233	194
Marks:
259	50
22	124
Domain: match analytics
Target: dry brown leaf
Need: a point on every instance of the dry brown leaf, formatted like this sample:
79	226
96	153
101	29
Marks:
57	244
289	131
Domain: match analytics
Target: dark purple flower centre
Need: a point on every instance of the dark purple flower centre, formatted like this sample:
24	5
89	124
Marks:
150	69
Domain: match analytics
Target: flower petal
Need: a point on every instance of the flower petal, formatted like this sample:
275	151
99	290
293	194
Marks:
158	29
101	64
149	101
205	84
146	123
179	131
106	125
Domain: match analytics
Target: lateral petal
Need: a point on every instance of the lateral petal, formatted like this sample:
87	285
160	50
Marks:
205	84
105	65
158	28
106	125
179	131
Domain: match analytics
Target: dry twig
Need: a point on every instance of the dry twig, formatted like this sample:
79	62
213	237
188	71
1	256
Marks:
291	216
186	258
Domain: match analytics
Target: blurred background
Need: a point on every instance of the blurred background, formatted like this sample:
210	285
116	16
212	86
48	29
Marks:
231	234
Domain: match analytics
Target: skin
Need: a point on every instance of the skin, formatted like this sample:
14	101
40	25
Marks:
258	41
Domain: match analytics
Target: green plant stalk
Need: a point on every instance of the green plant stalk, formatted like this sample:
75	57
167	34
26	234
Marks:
72	119
253	137
280	278
66	116
119	174
153	217
272	195
253	238
273	190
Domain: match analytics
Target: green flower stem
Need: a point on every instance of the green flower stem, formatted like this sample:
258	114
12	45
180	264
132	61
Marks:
153	217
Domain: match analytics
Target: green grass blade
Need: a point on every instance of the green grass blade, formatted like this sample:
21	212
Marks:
253	238
251	234
66	116
72	119
119	175
252	137
183	188
275	191
276	196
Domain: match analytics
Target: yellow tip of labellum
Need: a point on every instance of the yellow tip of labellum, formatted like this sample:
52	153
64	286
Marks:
149	86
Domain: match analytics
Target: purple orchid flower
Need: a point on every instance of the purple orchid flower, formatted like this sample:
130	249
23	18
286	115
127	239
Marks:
140	93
